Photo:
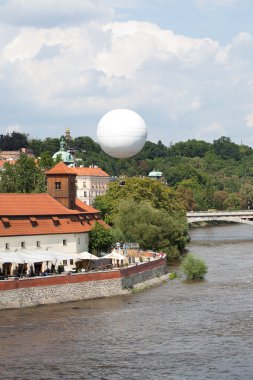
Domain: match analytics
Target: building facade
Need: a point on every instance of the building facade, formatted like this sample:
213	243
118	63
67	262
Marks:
90	182
57	220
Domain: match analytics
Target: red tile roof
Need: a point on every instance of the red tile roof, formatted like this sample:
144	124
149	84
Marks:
45	226
40	214
61	168
18	204
91	172
83	207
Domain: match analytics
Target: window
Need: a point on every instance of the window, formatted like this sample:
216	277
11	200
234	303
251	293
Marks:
65	262
71	261
33	221
56	220
85	193
7	246
84	184
38	244
6	222
22	244
57	185
64	242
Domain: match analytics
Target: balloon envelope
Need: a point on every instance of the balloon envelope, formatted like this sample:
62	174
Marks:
121	133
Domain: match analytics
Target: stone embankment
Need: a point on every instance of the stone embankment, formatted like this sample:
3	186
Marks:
35	291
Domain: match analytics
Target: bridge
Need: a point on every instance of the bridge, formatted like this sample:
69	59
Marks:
244	216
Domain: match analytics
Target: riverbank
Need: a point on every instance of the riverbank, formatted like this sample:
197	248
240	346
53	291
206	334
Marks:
24	292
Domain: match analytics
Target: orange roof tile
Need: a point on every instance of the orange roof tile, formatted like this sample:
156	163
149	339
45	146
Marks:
83	207
61	168
31	205
46	226
91	172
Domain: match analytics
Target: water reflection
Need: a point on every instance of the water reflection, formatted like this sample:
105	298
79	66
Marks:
175	331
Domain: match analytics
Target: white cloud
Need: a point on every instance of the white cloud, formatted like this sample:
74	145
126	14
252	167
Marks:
212	131
72	74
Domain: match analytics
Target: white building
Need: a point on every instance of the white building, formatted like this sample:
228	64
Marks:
37	222
90	182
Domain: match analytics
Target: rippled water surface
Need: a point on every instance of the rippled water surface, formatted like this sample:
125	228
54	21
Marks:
178	330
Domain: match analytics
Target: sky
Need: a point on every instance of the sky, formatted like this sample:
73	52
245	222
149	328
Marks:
185	66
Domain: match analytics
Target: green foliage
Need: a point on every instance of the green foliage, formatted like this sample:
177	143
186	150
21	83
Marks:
152	228
22	177
193	268
233	202
46	161
172	254
225	148
172	275
191	148
197	170
101	238
13	141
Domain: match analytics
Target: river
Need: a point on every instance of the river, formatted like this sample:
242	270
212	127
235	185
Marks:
178	330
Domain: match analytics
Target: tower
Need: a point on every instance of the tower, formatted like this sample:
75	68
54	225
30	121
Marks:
67	135
61	184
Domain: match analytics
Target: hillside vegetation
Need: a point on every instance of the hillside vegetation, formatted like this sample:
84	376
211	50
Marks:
204	175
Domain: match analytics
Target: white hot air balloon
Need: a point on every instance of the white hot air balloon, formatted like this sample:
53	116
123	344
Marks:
121	133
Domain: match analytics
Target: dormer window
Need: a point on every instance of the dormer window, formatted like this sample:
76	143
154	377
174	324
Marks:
57	185
56	220
33	221
6	222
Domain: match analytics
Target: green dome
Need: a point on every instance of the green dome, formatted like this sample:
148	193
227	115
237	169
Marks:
65	156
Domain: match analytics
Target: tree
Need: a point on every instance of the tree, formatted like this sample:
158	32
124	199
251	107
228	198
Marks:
101	238
152	228
157	193
247	193
233	202
225	148
46	161
219	198
13	141
194	268
187	197
22	177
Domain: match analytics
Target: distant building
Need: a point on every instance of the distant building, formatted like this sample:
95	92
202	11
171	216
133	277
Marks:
156	175
64	155
2	162
91	182
67	135
15	154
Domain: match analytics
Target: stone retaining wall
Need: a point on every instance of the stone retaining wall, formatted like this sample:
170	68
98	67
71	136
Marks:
64	288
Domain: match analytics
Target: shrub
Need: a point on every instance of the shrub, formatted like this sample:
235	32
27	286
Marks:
172	275
193	268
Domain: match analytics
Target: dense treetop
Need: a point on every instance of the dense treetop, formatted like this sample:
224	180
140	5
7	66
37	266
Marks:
204	175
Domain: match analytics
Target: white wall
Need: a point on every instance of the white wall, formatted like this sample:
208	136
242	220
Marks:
75	243
92	186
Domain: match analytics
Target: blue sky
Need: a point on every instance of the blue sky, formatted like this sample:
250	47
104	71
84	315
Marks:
185	66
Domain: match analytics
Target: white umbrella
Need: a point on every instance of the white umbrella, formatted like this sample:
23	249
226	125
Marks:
86	256
114	255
